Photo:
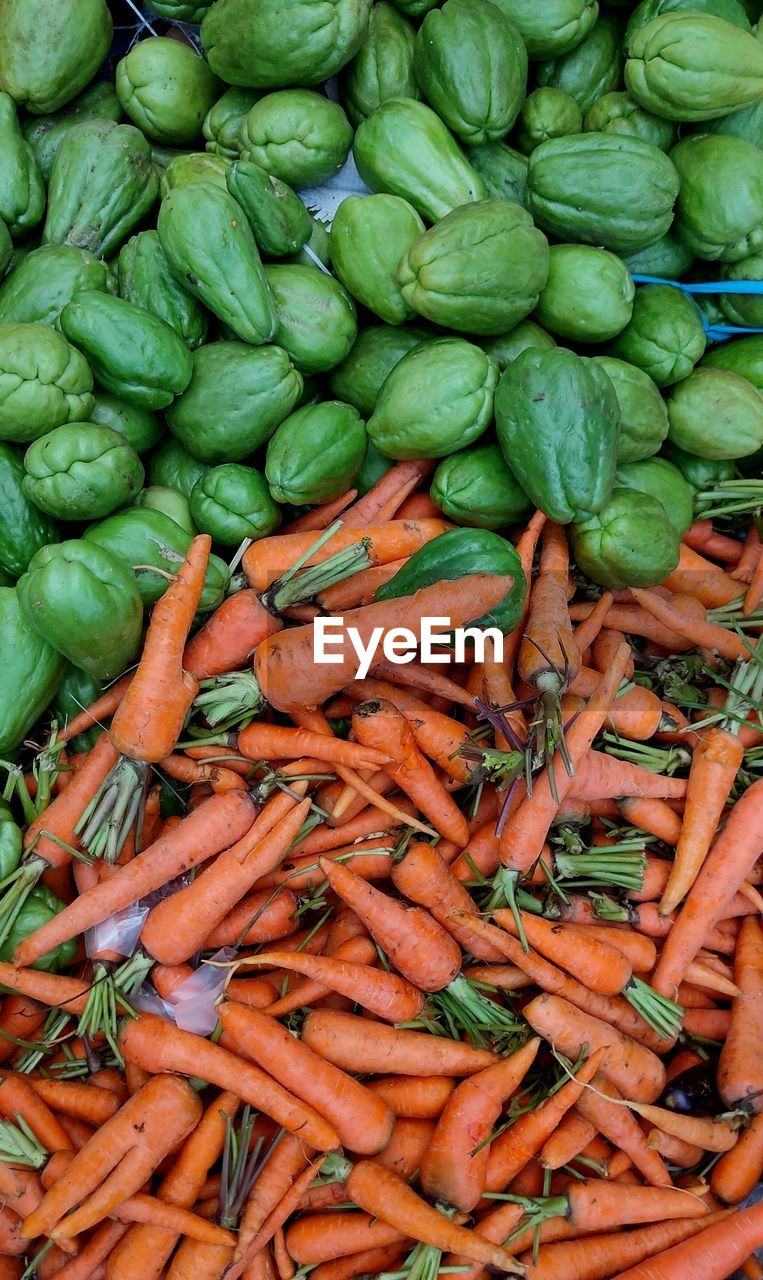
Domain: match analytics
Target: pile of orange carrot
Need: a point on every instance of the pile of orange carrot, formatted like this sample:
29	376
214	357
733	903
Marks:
448	970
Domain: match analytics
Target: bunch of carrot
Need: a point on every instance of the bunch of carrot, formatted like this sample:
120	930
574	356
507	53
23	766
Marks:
439	971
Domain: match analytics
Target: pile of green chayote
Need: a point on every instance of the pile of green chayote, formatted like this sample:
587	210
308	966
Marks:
184	347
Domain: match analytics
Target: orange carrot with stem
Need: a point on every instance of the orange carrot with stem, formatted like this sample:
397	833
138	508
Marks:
322	516
707	635
601	1106
18	1099
652	815
207	830
417	1097
149	719
740	1070
713	1254
597	1257
286	1161
277	1217
696	576
384	994
454	1166
361	1046
423	877
260	741
391	488
229	637
598	964
269	558
437	735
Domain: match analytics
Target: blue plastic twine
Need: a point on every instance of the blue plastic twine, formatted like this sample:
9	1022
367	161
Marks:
715	332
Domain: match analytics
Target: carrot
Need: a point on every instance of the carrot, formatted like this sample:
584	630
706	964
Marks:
569	1139
437	736
598	964
586	631
116	1163
454	1166
394	486
58	821
155	1045
417	676
738	1171
639	950
683	1154
379	725
286	1161
652	815
260	741
424	878
359	952
259	917
635	621
388	1198
417	945
19	1099
636	713
696	576
149	719
143	1251
268	558
599	1105
716	760
362	1120
206	831
322	516
740	1071
322	1236
729	862
366	1262
602	776
596	1257
754	593
177	927
284	664
414	1096
506	977
745	566
522	839
20	1189
369	859
548	644
713	1254
230	636
593	1204
357	1045
74	1098
360	588
525	548
148	1210
707	635
102	709
701	536
383	994
632	1068
276	1218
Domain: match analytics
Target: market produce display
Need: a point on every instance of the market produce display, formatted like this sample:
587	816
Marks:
381	608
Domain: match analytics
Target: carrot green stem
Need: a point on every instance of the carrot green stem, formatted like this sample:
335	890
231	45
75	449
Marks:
108	999
662	1014
620	866
18	1145
657	759
230	700
116	807
307	585
486	1023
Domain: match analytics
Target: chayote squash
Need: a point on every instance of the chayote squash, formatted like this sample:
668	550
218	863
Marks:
140	537
746	124
630	542
212	252
471	64
233	502
557	417
32	670
265	44
46	279
693	66
140	427
647	10
166	89
502	170
315	453
405	149
547	113
84	602
132	353
553	27
22	191
437	399
745	309
479	270
475	487
743	356
602	189
715	413
145	278
102	184
374	354
720	207
592	68
24	528
155	497
181	10
236	398
668	257
383	66
46	133
50	49
297	135
588	296
316	316
663	481
317	247
6	248
457	554
618	112
277	216
507	346
369	237
44	382
665	336
414	8
699	473
173	467
77	690
191	167
643	415
81	471
222	123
